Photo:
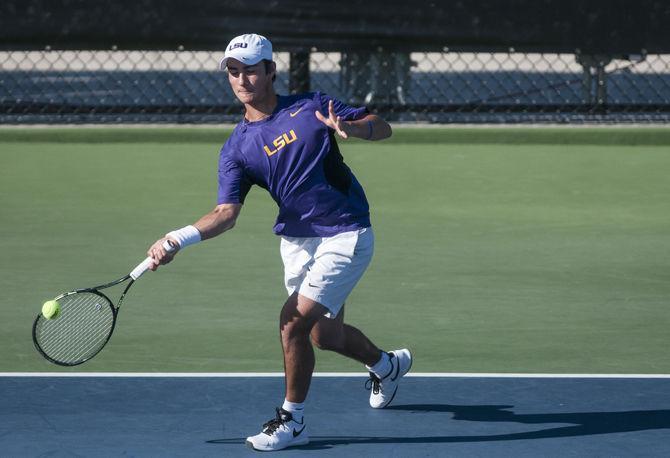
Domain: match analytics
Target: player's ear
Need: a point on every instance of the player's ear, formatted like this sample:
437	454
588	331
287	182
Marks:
271	67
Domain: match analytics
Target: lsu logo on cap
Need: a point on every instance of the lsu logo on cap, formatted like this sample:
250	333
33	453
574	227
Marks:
237	45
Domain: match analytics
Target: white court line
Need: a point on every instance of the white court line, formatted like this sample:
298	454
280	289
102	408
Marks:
329	374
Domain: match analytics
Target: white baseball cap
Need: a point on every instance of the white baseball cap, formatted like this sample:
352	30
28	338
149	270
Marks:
248	49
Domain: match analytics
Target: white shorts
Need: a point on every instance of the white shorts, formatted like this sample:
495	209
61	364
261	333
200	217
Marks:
326	269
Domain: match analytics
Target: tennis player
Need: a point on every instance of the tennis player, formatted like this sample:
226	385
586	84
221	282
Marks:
287	145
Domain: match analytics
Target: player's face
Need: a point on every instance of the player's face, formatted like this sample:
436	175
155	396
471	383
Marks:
250	83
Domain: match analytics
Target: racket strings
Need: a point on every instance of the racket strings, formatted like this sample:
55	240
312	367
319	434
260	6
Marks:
83	328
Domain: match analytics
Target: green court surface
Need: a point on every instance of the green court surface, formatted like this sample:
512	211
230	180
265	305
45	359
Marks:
499	250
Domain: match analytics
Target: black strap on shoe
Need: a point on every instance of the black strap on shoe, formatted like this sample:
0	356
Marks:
282	417
373	383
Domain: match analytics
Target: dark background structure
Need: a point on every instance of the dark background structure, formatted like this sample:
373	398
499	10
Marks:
596	61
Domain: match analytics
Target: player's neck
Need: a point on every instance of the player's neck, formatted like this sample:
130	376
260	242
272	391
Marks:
260	110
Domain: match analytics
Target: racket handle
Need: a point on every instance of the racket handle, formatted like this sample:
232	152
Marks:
138	271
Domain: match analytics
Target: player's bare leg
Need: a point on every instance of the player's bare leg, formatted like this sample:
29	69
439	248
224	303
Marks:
335	335
288	429
386	369
298	316
300	319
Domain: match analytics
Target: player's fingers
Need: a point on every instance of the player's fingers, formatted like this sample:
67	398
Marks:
340	128
331	110
151	251
158	254
330	121
154	263
333	116
161	256
321	117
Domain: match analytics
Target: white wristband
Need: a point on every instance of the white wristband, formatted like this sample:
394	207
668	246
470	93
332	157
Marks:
187	235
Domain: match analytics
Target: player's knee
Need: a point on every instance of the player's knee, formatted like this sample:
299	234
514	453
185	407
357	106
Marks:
290	320
294	329
293	326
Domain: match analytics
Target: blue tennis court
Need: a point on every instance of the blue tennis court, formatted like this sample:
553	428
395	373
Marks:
431	416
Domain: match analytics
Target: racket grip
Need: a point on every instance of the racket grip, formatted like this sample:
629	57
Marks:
142	267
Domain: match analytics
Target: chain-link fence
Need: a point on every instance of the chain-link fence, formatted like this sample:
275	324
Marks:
117	86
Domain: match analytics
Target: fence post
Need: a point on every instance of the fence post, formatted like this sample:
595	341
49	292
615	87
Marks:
298	79
601	82
594	65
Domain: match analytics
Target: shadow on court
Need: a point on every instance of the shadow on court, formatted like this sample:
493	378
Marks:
433	416
581	424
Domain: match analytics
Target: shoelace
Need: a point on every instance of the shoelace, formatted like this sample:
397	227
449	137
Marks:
373	383
271	426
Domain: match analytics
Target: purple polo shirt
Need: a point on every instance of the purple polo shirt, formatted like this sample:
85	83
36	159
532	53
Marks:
295	157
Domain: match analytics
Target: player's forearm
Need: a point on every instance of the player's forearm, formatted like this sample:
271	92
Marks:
371	127
218	221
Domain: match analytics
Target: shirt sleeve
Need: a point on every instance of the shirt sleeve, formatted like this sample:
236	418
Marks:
344	111
234	185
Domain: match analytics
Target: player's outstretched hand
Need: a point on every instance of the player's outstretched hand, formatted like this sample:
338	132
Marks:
333	121
160	255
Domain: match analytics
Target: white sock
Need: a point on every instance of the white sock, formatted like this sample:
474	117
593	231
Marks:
295	408
383	367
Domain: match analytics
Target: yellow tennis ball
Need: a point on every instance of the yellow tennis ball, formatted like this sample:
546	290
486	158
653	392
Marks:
51	310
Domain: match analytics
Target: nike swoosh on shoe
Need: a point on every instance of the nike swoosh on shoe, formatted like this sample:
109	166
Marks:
397	368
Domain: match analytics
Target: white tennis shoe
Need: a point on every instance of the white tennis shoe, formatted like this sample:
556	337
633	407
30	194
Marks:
279	433
383	390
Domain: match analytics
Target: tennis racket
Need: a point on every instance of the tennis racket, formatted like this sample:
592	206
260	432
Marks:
86	322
